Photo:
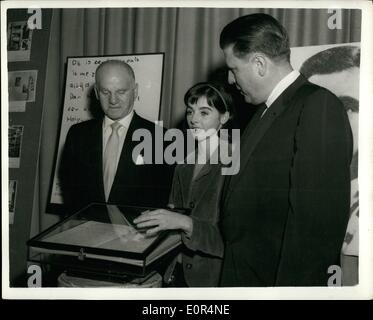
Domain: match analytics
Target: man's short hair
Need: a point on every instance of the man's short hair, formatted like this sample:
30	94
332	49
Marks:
115	63
257	32
331	60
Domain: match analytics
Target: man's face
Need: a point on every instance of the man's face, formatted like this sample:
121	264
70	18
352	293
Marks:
243	74
116	90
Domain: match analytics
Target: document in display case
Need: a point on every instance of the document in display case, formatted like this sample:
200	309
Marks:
103	236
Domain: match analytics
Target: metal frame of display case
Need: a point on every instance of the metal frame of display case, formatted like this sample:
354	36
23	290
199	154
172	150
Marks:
90	260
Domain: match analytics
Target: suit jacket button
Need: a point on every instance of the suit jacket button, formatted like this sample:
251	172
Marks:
189	266
191	204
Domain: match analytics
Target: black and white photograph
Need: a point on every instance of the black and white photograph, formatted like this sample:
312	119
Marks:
194	149
21	89
19	41
15	136
12	199
22	85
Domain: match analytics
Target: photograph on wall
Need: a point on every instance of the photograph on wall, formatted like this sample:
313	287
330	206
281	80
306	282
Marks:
21	89
12	199
19	41
15	135
342	78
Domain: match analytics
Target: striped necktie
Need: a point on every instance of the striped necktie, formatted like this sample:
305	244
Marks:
110	158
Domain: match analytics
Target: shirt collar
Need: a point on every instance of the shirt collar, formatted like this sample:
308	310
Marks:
125	122
213	142
281	86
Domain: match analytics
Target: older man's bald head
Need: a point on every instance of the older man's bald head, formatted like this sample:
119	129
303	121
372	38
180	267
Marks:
109	65
116	88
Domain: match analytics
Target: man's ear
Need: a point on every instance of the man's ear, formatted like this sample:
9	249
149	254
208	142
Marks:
260	63
136	89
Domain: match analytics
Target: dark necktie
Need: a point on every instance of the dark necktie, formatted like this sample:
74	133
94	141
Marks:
255	119
248	130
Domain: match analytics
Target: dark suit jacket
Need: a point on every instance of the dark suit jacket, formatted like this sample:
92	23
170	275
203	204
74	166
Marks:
203	251
82	173
284	215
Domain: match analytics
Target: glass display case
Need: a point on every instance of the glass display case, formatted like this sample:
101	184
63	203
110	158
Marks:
102	241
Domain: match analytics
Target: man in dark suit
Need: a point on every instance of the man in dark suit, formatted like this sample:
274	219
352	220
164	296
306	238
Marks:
284	215
97	163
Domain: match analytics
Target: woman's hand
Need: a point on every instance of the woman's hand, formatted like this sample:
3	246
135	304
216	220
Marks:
162	219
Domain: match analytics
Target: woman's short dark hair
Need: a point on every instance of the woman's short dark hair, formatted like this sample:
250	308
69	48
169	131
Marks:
257	32
216	95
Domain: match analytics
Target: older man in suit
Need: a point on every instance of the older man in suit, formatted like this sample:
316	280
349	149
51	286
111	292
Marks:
97	163
284	215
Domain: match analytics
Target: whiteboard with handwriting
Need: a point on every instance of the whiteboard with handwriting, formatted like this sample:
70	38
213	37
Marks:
80	79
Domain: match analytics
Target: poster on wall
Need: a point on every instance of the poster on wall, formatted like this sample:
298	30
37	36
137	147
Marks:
19	41
337	68
15	135
21	88
12	199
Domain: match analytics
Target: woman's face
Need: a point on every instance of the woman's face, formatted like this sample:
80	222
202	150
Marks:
203	119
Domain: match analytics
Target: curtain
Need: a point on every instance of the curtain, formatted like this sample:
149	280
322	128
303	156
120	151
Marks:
188	36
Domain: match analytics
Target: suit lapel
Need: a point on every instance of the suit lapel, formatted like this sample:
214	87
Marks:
186	175
203	180
221	153
204	171
202	183
199	187
96	156
206	175
251	138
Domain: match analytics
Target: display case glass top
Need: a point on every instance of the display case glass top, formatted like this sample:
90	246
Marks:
106	232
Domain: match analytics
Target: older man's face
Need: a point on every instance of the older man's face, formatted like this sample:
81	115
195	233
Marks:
116	90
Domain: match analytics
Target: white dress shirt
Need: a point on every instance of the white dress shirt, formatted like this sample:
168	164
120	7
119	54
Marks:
106	132
281	87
